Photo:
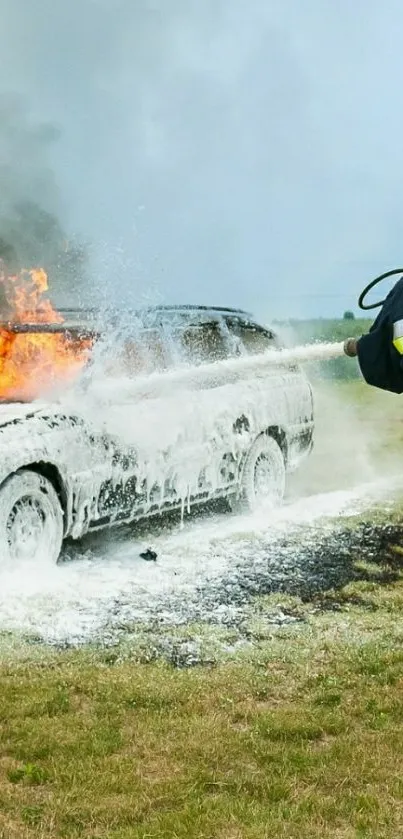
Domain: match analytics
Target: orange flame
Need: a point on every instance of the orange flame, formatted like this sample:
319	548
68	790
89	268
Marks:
31	364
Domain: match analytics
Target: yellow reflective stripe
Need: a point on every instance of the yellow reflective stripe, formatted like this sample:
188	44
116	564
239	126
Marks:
398	336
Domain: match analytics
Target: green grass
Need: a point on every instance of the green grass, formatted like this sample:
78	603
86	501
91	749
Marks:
302	740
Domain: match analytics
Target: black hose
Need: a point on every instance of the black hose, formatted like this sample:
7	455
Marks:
371	285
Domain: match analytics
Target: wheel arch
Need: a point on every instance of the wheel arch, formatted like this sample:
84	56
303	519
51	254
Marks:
279	435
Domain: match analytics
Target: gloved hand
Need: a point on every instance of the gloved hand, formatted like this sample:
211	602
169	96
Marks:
350	347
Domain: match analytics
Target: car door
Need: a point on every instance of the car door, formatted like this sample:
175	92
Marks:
131	430
170	444
210	413
160	450
237	403
193	446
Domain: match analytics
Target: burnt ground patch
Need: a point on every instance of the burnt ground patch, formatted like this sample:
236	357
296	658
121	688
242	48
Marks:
315	566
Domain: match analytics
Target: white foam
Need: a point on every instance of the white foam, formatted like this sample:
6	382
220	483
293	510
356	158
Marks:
89	598
198	376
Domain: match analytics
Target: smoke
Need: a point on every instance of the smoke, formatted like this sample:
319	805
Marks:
25	175
221	151
31	233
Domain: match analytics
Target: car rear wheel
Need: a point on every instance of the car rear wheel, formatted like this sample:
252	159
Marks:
263	476
31	519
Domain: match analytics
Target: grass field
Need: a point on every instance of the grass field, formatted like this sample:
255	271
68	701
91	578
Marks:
303	741
301	738
299	735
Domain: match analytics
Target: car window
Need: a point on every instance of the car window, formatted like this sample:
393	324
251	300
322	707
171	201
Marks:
206	342
252	340
140	355
156	349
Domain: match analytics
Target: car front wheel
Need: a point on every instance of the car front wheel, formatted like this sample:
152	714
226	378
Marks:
31	519
263	475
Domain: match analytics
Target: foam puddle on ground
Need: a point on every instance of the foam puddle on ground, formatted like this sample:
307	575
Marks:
109	587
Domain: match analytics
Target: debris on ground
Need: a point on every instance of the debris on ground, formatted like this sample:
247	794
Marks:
149	555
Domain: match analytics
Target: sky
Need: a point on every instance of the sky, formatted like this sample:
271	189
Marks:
226	152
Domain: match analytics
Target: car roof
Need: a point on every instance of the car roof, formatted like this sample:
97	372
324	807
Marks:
164	311
94	321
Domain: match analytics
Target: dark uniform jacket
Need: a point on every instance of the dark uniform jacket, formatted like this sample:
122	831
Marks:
380	352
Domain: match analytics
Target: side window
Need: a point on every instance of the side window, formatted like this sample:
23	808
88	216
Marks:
251	340
144	354
203	343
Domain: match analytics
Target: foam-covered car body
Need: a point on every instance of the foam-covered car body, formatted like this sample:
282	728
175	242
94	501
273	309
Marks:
114	454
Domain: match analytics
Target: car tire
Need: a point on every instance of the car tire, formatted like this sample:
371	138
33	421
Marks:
31	519
263	475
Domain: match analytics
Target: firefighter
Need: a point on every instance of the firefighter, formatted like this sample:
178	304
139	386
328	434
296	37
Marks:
380	351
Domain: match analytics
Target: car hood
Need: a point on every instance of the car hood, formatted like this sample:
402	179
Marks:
11	411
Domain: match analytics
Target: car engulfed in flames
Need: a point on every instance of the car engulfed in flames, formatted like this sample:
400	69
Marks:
71	467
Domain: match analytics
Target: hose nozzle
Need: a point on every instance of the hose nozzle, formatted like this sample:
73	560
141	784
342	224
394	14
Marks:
350	347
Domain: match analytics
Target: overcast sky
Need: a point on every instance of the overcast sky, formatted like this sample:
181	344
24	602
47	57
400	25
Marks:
233	152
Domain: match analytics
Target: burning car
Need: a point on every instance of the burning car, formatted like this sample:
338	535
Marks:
136	441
